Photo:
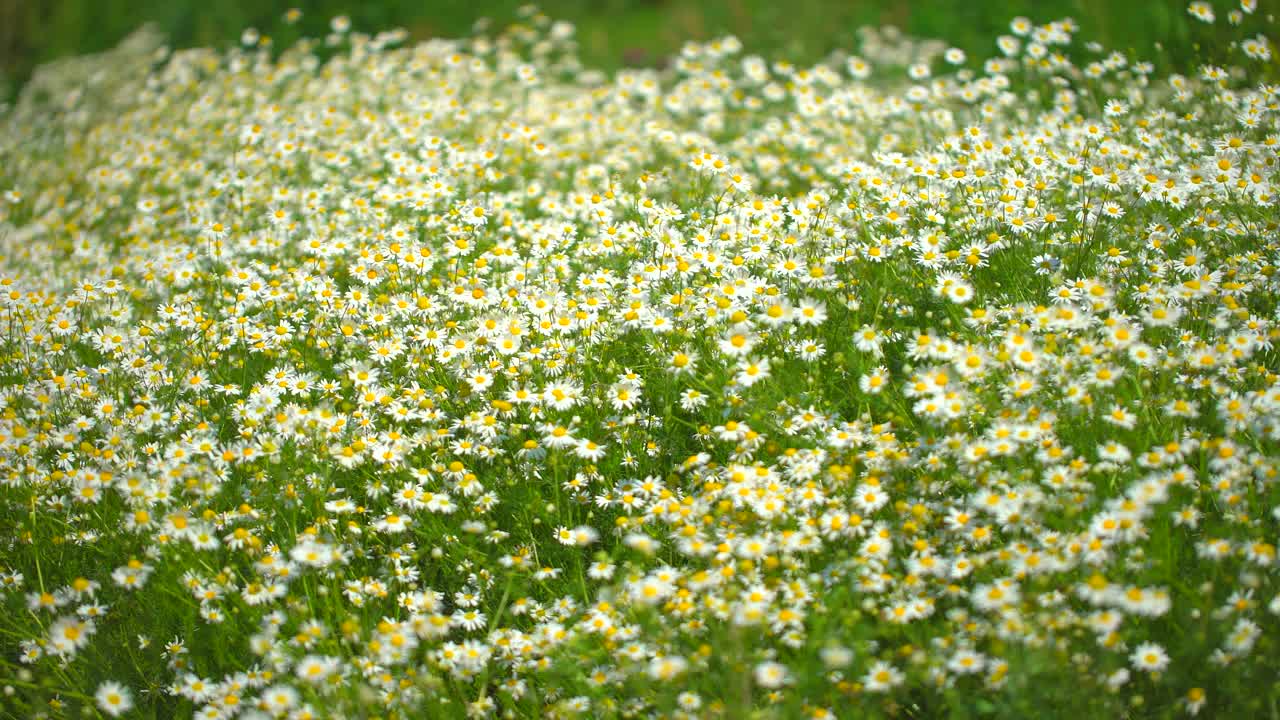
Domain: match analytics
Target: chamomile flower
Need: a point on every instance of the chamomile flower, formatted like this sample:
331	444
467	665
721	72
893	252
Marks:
113	698
882	677
1149	657
771	675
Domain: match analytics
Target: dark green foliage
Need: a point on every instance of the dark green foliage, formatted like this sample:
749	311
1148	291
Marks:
611	32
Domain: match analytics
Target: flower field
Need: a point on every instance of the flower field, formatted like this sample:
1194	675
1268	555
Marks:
459	380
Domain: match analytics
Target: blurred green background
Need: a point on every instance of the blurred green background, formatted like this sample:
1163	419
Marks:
610	31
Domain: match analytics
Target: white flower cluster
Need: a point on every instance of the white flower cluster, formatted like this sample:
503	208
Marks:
456	380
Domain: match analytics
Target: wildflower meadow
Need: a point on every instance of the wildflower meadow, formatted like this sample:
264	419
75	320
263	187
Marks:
459	379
